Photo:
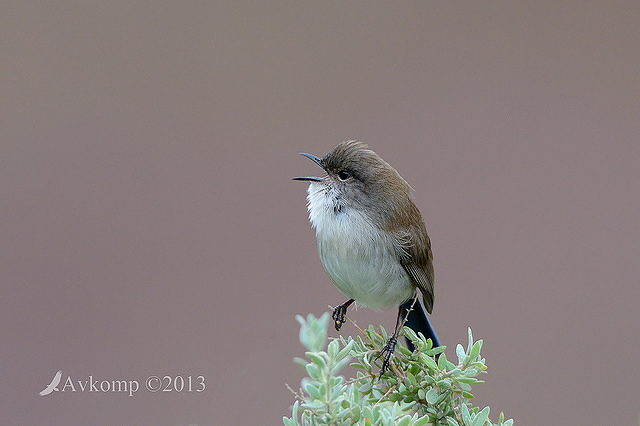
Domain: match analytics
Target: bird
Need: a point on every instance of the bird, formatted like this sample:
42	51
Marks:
371	238
53	386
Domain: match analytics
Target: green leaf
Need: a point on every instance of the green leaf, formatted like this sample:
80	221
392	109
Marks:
317	359
442	362
313	371
421	421
430	363
481	417
345	351
475	350
312	390
460	353
299	361
333	348
464	386
432	396
404	421
365	388
464	411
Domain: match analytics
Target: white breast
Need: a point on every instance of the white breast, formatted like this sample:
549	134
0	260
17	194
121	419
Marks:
357	256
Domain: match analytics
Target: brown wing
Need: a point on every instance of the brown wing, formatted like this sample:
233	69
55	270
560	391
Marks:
403	220
417	259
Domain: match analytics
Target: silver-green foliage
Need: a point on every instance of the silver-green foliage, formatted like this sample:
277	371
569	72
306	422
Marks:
421	387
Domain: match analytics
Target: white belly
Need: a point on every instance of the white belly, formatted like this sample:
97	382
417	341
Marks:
360	261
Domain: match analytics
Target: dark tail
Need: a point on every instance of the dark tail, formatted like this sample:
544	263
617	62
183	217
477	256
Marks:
418	322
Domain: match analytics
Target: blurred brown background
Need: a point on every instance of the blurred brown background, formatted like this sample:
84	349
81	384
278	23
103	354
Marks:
150	226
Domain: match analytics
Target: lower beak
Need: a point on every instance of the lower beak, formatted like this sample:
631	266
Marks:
309	178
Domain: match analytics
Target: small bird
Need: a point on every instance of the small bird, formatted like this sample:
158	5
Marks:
371	237
53	386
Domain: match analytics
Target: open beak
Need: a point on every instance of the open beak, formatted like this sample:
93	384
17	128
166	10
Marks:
310	178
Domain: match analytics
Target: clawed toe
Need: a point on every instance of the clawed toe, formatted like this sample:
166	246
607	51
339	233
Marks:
387	351
338	316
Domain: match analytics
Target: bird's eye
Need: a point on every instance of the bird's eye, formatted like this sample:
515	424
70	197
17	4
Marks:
344	175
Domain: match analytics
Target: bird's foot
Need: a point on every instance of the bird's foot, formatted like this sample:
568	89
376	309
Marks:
387	351
339	313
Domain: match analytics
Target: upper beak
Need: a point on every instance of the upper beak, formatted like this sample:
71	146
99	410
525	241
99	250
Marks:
315	160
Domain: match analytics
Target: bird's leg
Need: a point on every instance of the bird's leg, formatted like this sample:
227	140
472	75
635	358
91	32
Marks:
390	347
339	313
